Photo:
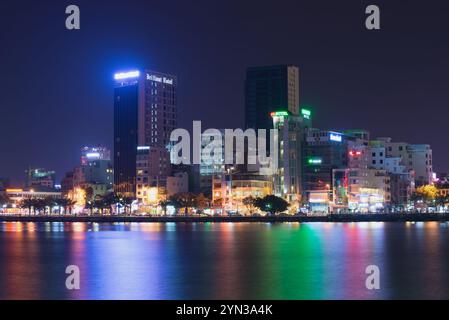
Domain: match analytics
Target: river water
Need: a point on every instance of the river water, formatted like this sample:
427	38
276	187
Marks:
224	260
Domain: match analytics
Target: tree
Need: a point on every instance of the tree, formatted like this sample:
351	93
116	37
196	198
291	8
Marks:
126	202
271	204
98	203
184	200
166	203
218	203
201	202
39	205
61	203
109	200
88	197
27	204
4	199
66	203
249	203
50	203
441	200
69	205
426	194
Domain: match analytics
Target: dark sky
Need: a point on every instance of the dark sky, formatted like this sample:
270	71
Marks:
56	84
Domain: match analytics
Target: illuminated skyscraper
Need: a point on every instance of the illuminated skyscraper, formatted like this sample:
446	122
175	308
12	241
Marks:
289	174
145	114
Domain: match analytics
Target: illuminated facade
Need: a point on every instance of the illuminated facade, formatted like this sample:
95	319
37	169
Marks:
288	177
152	170
323	152
145	114
230	191
95	172
402	182
360	190
18	195
210	171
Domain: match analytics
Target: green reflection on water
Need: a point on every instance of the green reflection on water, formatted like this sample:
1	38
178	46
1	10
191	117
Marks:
293	257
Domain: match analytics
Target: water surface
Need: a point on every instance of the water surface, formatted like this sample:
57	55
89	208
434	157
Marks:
224	260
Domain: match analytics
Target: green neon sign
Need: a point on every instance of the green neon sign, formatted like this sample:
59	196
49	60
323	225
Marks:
279	114
306	113
314	161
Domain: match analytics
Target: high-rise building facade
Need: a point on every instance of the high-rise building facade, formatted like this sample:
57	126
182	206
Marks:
289	174
145	114
268	89
208	172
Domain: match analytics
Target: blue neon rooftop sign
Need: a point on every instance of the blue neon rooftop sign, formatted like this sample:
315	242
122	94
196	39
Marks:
126	75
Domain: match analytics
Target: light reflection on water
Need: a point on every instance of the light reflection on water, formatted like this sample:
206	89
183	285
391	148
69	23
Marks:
224	260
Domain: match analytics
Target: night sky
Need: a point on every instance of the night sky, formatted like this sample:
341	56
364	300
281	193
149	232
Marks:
57	85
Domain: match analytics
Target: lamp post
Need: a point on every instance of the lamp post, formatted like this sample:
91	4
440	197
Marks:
230	172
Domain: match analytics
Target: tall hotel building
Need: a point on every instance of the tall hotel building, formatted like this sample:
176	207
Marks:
145	114
268	89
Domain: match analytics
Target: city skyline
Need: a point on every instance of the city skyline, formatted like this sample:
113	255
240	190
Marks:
224	158
74	92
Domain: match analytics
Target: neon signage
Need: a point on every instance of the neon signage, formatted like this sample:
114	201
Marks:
335	137
313	161
354	153
306	113
279	114
126	75
153	77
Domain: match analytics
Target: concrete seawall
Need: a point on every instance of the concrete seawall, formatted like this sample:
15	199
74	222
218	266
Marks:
397	217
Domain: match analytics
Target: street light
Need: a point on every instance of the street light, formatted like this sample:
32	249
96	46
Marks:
230	172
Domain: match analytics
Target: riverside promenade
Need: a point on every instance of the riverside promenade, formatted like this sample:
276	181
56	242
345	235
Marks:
390	217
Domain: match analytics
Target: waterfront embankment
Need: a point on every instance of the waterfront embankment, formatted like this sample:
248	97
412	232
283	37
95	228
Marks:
393	217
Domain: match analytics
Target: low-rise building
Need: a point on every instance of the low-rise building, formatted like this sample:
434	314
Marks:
230	191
